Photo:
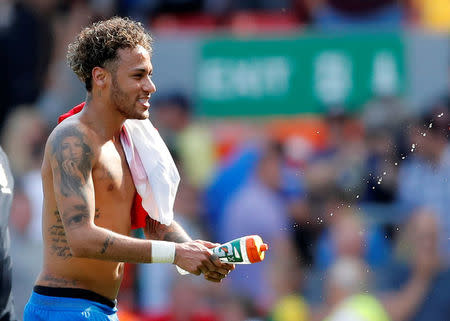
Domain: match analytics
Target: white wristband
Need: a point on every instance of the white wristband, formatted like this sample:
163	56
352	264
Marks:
163	252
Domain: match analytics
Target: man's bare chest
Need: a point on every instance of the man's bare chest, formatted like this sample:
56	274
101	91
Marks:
111	175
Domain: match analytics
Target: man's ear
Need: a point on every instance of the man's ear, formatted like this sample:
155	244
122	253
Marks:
99	77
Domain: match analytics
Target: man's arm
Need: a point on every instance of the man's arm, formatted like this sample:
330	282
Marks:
172	233
175	233
75	197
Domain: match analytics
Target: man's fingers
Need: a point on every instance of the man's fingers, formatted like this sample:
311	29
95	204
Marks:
197	272
229	267
215	259
215	275
223	268
217	265
203	269
212	279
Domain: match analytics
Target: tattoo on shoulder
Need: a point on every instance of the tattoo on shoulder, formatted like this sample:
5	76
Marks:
109	241
74	158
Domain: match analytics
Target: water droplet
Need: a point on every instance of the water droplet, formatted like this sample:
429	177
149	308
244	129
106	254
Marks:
384	173
440	115
424	134
431	125
403	157
395	163
357	196
331	214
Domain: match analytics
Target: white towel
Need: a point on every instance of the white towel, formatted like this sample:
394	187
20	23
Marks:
153	170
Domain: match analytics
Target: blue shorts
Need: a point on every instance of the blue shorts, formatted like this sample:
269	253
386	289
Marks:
51	308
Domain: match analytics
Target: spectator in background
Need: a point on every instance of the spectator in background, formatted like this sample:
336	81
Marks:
349	294
26	125
346	294
258	208
191	142
346	236
24	139
62	88
6	194
349	236
419	271
26	29
424	178
286	279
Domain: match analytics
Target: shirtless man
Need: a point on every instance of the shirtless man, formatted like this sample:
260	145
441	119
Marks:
89	191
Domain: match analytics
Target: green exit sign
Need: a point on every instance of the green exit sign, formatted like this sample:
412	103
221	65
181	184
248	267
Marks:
300	75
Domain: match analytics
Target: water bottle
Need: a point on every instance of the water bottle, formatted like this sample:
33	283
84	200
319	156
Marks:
244	250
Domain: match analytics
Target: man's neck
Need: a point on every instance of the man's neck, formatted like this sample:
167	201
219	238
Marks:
102	117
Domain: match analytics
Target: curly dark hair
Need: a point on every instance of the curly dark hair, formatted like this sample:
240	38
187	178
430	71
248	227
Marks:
97	45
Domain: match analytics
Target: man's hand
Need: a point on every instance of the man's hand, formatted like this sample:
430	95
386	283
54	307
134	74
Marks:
196	258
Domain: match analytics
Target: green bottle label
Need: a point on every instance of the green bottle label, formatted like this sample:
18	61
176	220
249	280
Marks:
229	252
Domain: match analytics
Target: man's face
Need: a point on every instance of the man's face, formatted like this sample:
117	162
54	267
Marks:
72	149
131	85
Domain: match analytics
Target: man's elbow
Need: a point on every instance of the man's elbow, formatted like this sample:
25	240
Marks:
80	245
79	251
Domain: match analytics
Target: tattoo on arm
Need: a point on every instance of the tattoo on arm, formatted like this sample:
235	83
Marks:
74	160
108	242
79	217
175	237
172	233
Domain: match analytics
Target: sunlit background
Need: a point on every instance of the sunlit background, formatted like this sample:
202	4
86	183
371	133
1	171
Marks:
322	126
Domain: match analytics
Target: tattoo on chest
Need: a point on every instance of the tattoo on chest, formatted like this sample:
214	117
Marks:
58	240
74	159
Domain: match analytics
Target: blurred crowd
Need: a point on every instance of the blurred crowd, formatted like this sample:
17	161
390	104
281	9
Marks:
353	205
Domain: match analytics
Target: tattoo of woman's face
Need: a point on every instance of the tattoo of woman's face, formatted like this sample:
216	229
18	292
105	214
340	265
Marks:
74	160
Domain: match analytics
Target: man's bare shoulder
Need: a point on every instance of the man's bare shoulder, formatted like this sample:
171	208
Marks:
69	136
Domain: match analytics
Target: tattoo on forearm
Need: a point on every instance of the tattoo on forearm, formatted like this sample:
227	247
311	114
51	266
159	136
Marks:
97	213
58	240
108	242
74	159
172	233
175	236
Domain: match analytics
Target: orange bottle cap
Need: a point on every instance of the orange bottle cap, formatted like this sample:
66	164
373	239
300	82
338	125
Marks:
255	248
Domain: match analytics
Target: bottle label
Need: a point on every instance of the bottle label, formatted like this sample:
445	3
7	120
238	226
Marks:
230	252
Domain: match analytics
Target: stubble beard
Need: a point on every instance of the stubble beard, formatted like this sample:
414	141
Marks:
124	104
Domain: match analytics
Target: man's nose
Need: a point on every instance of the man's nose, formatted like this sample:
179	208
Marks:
149	85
